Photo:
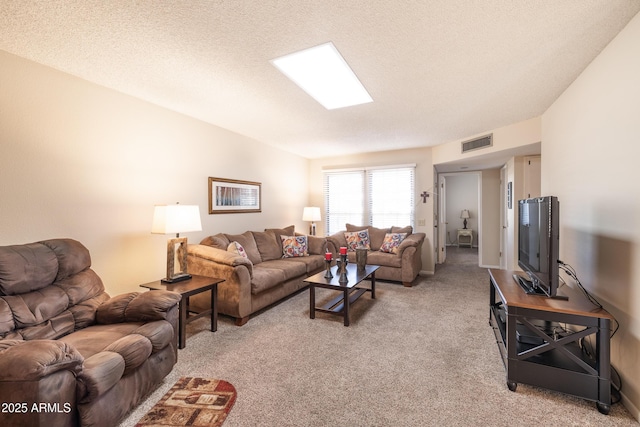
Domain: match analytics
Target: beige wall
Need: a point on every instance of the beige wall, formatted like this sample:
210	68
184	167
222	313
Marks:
590	139
424	182
82	161
505	138
489	238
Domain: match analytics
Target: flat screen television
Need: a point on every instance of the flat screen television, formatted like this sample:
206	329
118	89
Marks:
538	245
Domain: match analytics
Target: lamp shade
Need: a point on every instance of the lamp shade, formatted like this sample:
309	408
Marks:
311	214
465	214
170	219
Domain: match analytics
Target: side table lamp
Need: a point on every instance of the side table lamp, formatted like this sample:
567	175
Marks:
465	216
169	219
311	214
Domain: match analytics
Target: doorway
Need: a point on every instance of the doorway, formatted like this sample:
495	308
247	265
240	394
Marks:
460	195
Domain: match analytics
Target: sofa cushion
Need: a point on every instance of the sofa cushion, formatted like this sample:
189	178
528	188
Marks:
33	308
266	278
236	248
312	263
277	232
376	235
294	246
96	338
159	334
135	349
99	373
73	256
52	329
26	268
290	268
269	245
317	245
391	242
248	243
384	259
357	240
218	241
408	229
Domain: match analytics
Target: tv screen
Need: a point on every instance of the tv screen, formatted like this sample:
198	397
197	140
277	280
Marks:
538	243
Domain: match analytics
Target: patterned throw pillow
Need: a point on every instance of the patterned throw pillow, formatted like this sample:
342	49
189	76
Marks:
294	246
357	240
391	242
236	248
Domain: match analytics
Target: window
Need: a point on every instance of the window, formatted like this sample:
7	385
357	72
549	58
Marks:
380	197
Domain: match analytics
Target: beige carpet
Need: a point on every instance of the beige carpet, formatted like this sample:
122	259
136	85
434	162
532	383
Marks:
420	356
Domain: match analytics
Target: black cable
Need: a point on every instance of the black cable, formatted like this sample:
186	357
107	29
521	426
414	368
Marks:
572	273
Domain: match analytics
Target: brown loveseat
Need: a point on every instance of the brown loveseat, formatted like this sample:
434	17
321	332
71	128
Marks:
402	263
258	280
69	354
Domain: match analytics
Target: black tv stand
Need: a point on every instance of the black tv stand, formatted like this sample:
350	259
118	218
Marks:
530	289
539	340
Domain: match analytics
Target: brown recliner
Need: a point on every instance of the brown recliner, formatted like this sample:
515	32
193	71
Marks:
69	354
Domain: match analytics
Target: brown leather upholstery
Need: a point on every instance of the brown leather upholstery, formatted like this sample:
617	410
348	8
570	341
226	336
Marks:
69	348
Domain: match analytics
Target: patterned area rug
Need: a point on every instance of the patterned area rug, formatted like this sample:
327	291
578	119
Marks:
192	402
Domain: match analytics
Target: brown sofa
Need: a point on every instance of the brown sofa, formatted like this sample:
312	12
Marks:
257	281
69	354
402	266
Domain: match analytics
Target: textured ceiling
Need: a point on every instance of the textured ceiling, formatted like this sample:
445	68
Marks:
438	70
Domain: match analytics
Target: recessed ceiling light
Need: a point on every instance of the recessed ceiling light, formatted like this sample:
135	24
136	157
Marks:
324	74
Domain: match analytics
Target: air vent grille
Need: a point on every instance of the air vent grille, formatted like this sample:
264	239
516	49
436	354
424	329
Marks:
478	143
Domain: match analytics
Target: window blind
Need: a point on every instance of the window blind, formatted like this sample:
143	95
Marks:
380	197
344	199
391	197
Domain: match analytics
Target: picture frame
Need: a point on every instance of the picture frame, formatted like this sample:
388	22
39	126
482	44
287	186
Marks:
234	196
510	195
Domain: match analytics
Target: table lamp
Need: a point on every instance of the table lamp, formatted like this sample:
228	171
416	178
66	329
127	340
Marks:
169	219
311	214
465	215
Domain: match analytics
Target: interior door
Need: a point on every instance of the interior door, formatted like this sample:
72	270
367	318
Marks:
442	220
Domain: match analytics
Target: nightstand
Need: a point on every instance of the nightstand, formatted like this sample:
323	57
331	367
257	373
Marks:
188	288
465	233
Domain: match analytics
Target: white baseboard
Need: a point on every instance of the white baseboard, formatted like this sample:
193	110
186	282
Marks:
633	410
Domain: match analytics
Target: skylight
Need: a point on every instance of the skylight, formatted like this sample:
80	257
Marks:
324	74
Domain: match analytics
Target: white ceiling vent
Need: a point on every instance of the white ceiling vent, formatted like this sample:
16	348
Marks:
478	143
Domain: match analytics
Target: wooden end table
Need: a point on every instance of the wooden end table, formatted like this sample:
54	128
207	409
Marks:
349	292
188	288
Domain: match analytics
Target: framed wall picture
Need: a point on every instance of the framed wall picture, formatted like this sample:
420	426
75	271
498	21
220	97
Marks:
510	195
234	196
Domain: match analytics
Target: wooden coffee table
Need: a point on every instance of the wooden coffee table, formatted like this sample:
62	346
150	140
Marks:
349	292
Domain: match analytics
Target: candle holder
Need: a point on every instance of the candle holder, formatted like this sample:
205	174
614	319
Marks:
328	275
342	269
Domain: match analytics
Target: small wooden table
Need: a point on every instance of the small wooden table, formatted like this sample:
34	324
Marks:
349	291
188	288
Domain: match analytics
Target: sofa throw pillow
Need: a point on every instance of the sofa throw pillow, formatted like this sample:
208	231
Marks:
236	248
357	240
391	242
294	246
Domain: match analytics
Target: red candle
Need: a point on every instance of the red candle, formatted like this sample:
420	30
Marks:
328	256
343	250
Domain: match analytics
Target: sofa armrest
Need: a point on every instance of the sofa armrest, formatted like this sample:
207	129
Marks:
335	241
33	360
234	293
137	307
412	240
219	256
